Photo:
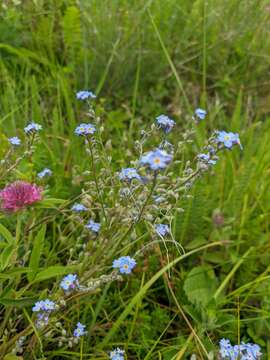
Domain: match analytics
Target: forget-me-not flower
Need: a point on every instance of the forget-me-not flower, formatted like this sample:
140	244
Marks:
85	94
156	159
200	113
79	207
162	229
85	129
69	282
80	330
14	141
128	174
44	173
165	123
32	128
125	264
94	226
117	354
228	139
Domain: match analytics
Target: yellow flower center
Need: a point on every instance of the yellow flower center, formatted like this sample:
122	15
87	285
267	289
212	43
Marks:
157	160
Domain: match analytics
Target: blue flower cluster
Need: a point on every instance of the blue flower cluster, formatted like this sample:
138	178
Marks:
69	283
44	173
125	264
14	141
78	208
43	309
129	174
117	354
32	128
94	226
239	352
200	113
85	94
85	129
165	123
206	158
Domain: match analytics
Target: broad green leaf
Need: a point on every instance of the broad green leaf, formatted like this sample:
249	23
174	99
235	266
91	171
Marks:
54	271
6	234
49	203
6	256
200	285
36	253
18	302
13	273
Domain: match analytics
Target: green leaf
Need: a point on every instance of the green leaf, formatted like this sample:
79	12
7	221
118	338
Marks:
18	302
54	271
13	357
49	203
13	273
36	253
200	285
6	234
6	256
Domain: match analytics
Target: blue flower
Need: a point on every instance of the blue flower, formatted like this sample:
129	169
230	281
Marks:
32	128
205	158
239	352
117	354
45	172
95	227
85	94
165	123
129	174
44	305
79	207
125	264
228	139
79	331
14	140
200	113
85	129
69	282
162	229
157	159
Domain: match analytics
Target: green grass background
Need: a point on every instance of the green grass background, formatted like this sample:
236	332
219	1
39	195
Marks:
143	58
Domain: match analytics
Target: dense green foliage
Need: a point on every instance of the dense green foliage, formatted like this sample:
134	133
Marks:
142	58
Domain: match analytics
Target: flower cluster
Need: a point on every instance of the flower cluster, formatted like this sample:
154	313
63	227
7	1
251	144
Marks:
78	208
206	159
239	352
44	173
129	174
43	309
165	123
85	129
32	128
18	195
14	141
85	94
94	226
200	114
69	283
117	354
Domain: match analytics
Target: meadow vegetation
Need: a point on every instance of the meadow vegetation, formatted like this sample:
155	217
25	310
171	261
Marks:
209	278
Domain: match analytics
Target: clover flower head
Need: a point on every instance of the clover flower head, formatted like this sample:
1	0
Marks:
156	159
205	158
228	139
18	195
79	208
165	123
125	264
85	129
44	173
94	226
128	174
80	330
14	141
85	94
117	354
200	113
32	128
162	229
69	282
